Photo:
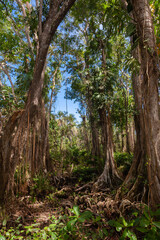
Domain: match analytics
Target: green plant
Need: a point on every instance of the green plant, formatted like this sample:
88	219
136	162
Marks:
41	186
123	161
144	225
63	228
12	233
123	158
85	173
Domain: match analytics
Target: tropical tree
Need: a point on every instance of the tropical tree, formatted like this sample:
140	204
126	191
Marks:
50	15
146	95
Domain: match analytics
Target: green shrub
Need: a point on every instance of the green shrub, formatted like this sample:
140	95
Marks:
145	225
124	161
85	174
63	228
41	186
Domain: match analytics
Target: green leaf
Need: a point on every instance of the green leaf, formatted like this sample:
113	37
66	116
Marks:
70	224
124	235
53	236
157	224
4	222
76	211
132	235
124	222
85	216
157	213
66	236
146	214
130	29
52	226
118	229
127	233
105	232
135	214
141	229
144	222
114	223
2	238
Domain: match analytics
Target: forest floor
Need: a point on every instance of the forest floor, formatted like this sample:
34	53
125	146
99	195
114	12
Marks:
26	210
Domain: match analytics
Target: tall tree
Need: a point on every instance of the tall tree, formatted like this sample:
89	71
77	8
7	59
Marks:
13	133
145	83
150	96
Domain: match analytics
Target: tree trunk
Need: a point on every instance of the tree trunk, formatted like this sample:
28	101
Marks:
133	186
85	134
147	123
150	97
12	139
131	136
94	133
110	176
126	121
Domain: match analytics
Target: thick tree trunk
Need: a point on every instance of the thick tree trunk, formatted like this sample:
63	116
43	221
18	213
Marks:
133	186
150	97
12	139
110	176
147	123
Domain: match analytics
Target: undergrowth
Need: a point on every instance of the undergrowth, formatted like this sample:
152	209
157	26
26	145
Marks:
87	225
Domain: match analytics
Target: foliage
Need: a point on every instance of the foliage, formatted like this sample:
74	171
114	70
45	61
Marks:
73	226
145	224
7	103
63	228
124	161
85	174
123	158
41	186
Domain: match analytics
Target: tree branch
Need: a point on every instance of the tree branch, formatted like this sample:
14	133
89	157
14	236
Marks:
5	70
26	27
40	19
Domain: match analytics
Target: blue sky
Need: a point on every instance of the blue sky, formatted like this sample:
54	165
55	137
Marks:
60	105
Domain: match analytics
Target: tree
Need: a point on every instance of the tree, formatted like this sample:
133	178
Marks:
15	129
150	97
97	81
145	84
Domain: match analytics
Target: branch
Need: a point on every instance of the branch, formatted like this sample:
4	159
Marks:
14	26
40	19
5	70
124	4
37	3
53	82
11	20
26	27
54	18
5	6
58	13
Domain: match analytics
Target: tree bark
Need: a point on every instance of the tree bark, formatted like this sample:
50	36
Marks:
96	153
133	186
147	122
110	176
150	97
